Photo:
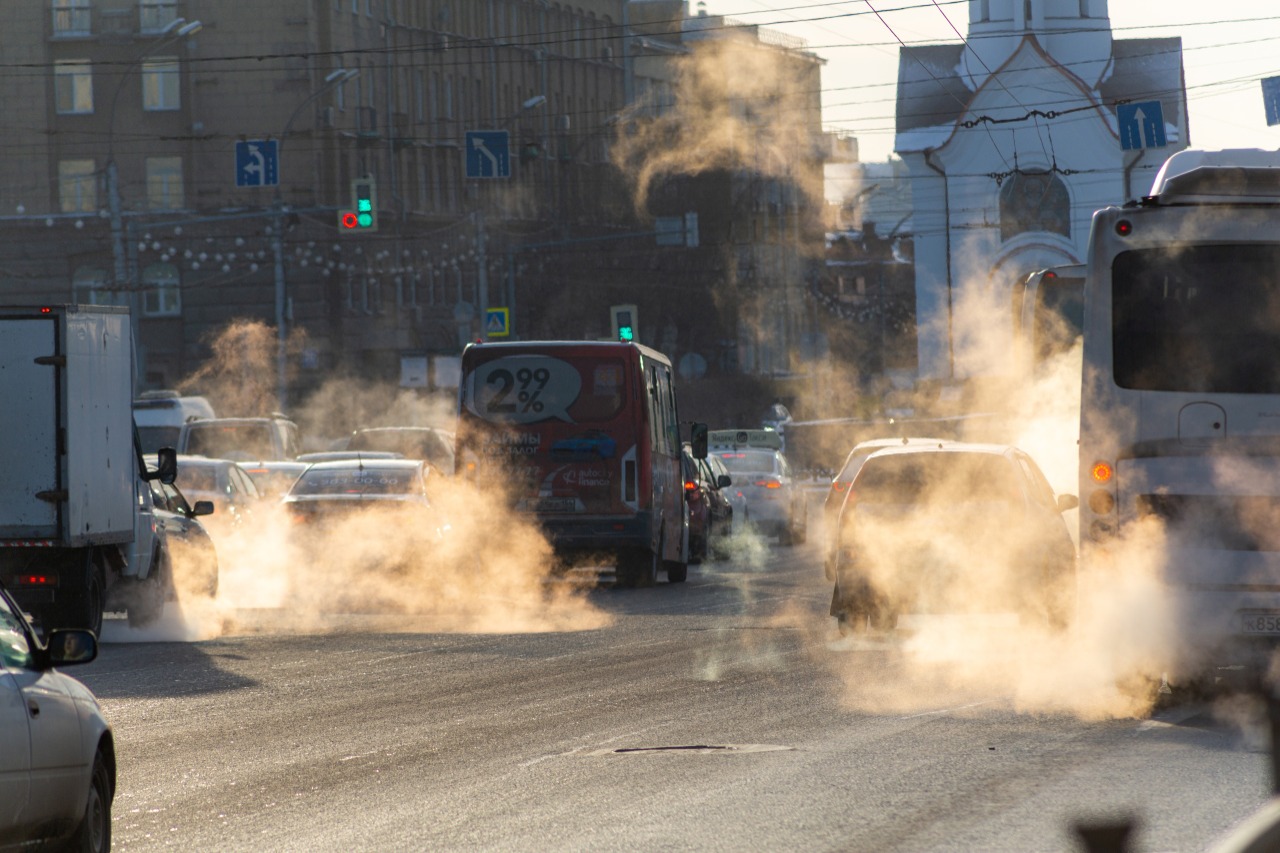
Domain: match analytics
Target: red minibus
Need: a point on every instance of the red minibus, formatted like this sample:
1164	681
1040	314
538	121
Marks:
584	436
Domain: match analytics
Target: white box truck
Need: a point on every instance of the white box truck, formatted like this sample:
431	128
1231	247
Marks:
77	531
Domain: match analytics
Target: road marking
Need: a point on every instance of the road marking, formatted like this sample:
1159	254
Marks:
948	710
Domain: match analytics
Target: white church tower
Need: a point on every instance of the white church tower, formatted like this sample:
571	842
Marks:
1012	143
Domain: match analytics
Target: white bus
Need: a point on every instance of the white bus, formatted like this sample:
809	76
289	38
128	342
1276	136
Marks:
1180	407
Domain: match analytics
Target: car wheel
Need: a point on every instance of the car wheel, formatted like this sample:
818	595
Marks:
93	835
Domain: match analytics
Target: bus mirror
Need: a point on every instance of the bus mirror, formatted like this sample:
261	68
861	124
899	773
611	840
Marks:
698	441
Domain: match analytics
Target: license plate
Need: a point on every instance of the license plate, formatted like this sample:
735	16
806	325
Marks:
551	505
1266	624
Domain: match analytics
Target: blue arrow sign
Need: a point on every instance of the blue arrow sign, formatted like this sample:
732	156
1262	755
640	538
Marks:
1141	125
1271	99
488	154
257	163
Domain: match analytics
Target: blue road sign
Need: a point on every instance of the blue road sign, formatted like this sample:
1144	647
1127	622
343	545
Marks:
257	163
1271	99
488	154
497	322
1141	125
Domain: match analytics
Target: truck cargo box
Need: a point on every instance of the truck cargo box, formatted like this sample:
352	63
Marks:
66	379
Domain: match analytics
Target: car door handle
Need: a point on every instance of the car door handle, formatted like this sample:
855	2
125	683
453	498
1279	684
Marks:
33	707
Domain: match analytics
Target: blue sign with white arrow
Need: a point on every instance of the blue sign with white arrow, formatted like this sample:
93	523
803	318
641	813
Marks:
488	154
1141	125
257	163
1271	99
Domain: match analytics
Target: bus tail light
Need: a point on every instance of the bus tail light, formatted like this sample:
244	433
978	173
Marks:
1101	472
1102	502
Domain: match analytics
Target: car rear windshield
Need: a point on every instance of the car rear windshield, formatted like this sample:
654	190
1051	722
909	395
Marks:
410	443
358	481
935	478
155	437
754	461
197	478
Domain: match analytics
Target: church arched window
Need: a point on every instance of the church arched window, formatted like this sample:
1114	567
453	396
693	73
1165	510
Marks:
1034	201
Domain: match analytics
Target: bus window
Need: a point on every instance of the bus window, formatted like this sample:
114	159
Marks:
1200	319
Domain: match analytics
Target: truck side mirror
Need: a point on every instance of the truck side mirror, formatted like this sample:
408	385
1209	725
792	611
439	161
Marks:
698	441
166	466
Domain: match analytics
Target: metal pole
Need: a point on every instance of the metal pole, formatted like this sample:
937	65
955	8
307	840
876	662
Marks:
277	248
482	276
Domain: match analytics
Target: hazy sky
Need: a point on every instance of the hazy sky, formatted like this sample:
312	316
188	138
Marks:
1227	48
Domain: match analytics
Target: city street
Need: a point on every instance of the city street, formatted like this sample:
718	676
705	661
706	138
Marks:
722	714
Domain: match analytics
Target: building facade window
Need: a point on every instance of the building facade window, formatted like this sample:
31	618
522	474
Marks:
77	186
72	18
161	294
155	15
1034	201
73	86
160	90
164	183
89	287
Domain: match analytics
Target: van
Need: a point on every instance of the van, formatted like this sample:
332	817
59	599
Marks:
161	414
271	438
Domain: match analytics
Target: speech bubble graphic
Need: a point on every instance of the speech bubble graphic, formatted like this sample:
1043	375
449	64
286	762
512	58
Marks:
523	389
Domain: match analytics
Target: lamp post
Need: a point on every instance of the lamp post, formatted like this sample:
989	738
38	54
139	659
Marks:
332	80
176	29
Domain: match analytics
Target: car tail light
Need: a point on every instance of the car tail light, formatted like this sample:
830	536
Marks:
30	579
837	486
690	485
769	484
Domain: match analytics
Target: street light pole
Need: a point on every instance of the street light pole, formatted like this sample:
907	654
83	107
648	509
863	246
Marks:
332	80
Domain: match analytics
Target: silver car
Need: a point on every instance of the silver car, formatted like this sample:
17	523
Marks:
57	756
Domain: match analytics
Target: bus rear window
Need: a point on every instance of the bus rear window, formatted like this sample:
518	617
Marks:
527	389
1202	319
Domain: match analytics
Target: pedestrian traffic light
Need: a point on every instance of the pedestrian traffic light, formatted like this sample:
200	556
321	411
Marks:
363	215
624	322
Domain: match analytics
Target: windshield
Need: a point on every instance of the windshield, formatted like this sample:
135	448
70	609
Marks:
1059	316
754	461
358	481
935	478
155	437
1203	319
424	443
240	441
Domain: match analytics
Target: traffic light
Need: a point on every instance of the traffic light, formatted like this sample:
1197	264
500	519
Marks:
625	319
363	215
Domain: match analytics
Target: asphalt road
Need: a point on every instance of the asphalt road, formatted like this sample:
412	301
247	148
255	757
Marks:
721	714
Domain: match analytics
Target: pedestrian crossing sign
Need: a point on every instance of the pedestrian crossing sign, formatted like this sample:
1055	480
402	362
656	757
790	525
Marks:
497	322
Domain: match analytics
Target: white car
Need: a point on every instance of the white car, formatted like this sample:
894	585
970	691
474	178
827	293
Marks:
776	504
57	760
